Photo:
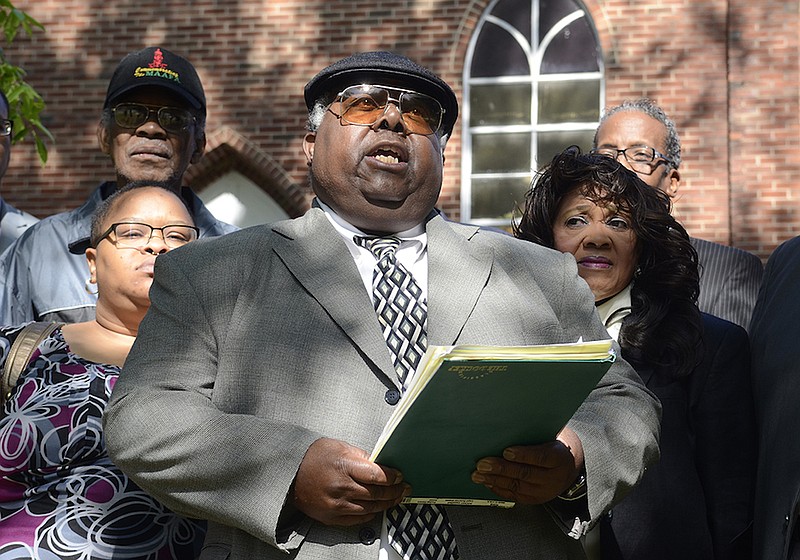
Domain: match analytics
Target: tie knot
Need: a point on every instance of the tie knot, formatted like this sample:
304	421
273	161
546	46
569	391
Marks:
381	247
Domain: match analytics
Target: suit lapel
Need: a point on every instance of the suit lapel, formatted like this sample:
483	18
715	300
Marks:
457	273
315	254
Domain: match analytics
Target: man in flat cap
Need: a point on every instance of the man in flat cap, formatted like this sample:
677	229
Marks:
259	416
152	127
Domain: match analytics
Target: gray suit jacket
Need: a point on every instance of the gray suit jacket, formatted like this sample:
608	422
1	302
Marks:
729	281
262	341
774	337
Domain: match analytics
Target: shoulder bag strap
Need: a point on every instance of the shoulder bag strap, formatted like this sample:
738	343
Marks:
28	340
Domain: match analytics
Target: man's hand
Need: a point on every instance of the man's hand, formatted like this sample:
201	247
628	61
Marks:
337	484
533	474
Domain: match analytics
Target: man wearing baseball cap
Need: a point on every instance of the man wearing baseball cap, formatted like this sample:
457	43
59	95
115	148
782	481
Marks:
260	416
152	127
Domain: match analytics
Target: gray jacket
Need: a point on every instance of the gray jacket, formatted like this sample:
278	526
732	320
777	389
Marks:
41	280
260	342
729	281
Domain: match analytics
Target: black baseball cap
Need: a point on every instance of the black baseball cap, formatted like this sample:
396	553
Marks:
156	66
383	68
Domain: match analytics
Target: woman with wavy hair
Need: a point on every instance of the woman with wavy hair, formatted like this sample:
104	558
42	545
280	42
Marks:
696	503
61	497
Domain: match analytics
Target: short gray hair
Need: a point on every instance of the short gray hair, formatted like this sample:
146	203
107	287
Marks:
316	114
649	108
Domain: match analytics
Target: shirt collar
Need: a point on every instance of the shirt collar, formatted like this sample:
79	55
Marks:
416	236
341	224
614	310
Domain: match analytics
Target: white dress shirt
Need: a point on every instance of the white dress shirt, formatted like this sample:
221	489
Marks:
614	310
413	254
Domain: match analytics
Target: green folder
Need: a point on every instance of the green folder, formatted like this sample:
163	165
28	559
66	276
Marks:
469	402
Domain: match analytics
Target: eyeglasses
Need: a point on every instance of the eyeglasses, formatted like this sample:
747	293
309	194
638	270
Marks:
134	115
6	126
642	159
365	104
136	235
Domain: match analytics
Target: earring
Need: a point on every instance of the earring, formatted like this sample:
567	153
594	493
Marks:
88	287
637	272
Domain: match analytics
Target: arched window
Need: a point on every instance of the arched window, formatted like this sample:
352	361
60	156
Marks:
533	85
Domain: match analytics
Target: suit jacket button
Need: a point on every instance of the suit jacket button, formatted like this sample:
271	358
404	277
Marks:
367	535
392	396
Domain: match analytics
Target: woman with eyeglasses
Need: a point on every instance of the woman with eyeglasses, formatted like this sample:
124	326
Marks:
61	497
696	503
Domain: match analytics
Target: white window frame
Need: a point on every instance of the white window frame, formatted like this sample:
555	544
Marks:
534	78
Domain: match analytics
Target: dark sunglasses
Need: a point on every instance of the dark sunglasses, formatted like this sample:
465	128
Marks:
134	115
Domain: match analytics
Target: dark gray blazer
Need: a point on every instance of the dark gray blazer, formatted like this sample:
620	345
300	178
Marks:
262	341
775	348
729	281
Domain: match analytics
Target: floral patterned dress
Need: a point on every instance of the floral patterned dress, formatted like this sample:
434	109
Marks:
61	497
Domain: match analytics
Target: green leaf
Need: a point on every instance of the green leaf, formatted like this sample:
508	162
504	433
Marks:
25	103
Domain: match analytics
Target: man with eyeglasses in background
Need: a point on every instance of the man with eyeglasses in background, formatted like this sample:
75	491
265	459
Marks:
152	127
641	136
12	221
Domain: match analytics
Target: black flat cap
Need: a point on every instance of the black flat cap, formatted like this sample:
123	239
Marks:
382	68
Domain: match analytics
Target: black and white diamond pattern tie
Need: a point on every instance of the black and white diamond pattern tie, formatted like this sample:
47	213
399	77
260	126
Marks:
402	311
419	531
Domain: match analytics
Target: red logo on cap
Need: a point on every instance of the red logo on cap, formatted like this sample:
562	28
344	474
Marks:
158	60
156	69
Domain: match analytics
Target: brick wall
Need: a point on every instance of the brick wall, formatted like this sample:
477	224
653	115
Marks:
727	73
764	138
725	70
